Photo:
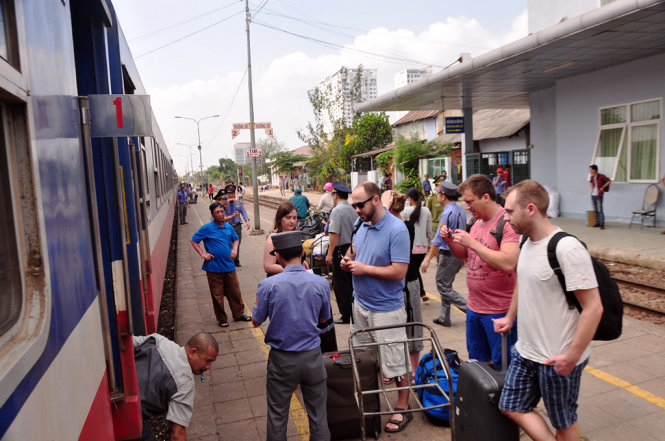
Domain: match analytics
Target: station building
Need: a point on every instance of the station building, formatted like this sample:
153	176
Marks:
591	74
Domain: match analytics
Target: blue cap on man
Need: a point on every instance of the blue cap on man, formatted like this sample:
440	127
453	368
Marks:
340	187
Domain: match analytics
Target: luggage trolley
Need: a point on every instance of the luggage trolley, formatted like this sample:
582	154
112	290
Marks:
438	357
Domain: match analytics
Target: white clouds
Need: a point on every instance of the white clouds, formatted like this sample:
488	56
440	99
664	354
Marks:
280	90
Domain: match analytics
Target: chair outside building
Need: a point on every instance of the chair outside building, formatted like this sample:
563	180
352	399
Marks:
648	209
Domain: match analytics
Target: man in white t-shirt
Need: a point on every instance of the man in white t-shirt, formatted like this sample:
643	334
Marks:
553	344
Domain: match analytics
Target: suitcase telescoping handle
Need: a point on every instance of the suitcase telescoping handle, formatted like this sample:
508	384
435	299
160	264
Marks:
504	351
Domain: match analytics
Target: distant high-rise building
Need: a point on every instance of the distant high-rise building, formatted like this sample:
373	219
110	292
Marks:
404	78
408	76
344	88
241	149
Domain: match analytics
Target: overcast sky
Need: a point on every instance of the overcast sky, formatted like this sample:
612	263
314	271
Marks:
192	56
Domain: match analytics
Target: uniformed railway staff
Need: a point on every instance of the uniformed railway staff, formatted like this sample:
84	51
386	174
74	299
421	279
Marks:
296	302
340	229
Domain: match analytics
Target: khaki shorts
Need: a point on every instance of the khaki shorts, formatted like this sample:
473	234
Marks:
394	357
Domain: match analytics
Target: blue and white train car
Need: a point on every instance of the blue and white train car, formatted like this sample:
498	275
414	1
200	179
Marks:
85	226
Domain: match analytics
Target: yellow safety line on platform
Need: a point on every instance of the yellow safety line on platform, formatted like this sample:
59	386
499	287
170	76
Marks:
635	390
616	381
297	411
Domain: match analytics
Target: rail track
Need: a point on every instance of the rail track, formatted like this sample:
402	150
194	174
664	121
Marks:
650	294
267	201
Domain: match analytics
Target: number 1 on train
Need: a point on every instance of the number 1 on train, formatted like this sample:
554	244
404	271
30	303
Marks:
118	111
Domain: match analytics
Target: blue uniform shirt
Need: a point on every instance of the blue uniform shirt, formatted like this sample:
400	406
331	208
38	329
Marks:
427	187
455	218
231	208
380	245
182	196
294	300
218	241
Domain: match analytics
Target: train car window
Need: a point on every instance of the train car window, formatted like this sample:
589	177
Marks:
11	297
24	292
8	35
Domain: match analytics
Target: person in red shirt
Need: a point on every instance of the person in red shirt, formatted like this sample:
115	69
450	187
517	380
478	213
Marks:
599	183
491	263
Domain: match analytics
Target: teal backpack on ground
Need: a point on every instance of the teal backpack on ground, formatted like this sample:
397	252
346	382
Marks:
431	396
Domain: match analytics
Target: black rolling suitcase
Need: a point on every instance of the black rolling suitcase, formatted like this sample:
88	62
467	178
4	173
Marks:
343	411
477	415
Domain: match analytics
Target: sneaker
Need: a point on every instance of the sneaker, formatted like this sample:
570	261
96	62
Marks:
441	322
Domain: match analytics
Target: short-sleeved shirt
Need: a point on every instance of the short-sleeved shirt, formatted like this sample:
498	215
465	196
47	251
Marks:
165	378
490	290
182	196
341	221
454	218
326	203
302	205
218	240
294	300
236	206
381	244
427	187
435	208
547	324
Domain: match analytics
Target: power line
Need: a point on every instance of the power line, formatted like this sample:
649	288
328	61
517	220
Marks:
339	46
189	35
226	114
171	26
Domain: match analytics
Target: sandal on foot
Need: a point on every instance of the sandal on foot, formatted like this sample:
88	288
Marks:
223	323
243	318
401	425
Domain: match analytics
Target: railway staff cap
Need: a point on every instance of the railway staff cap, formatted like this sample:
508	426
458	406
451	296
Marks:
230	188
221	193
286	240
448	189
340	187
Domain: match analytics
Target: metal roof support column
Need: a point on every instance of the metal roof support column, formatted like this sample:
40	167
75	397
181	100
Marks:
467	139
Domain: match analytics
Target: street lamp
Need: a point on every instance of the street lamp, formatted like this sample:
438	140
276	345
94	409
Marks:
198	132
191	162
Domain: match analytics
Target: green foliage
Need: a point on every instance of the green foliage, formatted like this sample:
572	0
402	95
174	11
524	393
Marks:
283	162
406	156
383	160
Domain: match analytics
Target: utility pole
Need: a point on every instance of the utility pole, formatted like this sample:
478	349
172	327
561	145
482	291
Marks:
255	186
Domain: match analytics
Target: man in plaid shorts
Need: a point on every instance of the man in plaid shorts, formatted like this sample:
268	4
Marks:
553	343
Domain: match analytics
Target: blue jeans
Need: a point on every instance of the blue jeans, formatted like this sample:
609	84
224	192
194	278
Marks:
482	343
597	202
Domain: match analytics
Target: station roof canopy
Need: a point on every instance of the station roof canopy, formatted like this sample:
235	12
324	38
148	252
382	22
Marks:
610	35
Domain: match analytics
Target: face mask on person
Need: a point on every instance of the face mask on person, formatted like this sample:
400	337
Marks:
407	203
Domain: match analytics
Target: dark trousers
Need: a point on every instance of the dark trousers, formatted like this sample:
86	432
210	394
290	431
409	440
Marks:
418	259
225	285
286	370
238	229
342	282
597	202
182	211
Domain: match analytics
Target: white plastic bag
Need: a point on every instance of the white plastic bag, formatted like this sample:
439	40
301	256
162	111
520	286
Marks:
320	247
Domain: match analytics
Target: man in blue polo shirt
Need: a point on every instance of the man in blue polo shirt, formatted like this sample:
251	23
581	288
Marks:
378	260
296	302
221	244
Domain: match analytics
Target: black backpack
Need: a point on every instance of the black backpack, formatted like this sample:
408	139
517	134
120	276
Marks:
497	232
609	327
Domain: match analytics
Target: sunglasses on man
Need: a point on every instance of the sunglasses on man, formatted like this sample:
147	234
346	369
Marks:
361	204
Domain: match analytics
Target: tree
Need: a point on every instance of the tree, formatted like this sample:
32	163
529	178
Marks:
369	132
284	162
406	156
268	146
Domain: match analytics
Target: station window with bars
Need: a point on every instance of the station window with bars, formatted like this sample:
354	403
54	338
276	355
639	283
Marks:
628	143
